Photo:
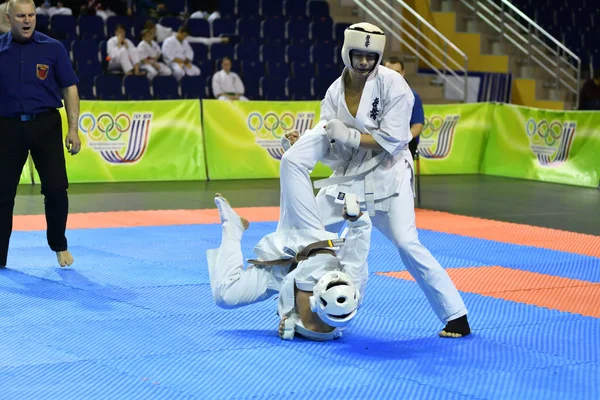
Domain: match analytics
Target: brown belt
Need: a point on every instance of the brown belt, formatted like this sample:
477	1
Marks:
309	251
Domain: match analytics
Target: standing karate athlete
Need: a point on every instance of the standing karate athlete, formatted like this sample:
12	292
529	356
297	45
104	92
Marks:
34	71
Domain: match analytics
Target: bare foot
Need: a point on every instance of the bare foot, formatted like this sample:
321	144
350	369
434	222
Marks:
64	258
245	222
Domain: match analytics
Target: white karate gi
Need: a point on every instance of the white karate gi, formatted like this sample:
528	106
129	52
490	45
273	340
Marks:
152	50
223	82
384	112
299	225
123	58
172	48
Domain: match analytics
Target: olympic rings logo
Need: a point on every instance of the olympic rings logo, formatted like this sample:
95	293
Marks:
544	132
271	125
431	126
105	125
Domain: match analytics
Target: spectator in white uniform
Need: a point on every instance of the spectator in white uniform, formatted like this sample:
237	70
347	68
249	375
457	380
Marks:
123	55
178	54
226	84
49	11
149	52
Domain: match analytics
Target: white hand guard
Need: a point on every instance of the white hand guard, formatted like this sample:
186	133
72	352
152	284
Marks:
352	207
338	132
285	143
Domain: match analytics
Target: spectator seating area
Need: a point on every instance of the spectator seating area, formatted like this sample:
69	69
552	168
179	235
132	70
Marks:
576	23
287	50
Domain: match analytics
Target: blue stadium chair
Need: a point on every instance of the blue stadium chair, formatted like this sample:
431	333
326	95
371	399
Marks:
220	50
84	50
88	68
248	30
113	21
223	27
171	22
208	88
322	53
302	70
321	31
206	67
296	31
252	70
91	27
165	88
316	9
272	52
252	89
339	29
176	7
63	27
67	43
138	25
198	27
103	52
298	89
137	87
109	87
295	52
200	52
273	31
294	8
193	87
328	71
227	9
279	69
319	86
42	24
247	51
247	9
272	88
271	8
85	87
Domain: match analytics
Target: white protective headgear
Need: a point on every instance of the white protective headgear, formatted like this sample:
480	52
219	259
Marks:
335	299
363	37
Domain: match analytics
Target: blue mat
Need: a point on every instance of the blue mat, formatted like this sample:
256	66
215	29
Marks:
134	319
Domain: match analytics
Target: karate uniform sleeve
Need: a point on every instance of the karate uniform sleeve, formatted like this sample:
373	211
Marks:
168	51
239	85
354	252
111	47
394	129
189	53
217	87
328	109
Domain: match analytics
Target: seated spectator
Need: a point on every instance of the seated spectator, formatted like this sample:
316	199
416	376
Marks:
226	84
178	54
99	8
145	8
149	52
122	54
49	11
4	24
589	97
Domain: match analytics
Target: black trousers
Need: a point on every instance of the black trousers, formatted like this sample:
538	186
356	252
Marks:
43	138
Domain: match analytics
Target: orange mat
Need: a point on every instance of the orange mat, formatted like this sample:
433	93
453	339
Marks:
505	232
557	293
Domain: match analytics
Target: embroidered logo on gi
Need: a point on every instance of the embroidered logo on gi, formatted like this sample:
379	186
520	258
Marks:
41	71
374	111
368	41
437	136
550	141
341	196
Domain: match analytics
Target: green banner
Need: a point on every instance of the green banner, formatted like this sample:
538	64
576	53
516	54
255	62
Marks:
453	138
138	141
544	145
243	138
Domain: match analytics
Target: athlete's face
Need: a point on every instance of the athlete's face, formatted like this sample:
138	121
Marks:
363	62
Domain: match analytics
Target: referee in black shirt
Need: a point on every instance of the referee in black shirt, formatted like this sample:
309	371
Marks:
34	71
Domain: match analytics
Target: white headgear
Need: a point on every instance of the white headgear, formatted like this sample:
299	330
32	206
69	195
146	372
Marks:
335	299
362	37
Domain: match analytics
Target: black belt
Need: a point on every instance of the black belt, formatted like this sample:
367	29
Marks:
29	117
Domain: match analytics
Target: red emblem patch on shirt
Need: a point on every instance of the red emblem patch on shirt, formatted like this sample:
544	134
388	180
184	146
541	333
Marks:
41	71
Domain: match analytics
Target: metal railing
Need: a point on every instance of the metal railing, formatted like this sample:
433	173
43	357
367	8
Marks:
447	60
558	62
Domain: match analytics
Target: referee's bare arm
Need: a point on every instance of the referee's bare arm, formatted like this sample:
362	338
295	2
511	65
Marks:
72	141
